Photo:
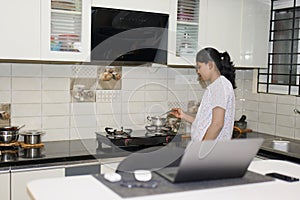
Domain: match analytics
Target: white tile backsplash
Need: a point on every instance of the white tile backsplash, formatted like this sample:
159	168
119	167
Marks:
83	133
56	84
285	121
109	120
156	85
40	98
267	98
31	123
26	110
133	107
178	96
153	108
156	96
26	97
5	69
134	73
266	128
56	97
5	96
56	122
56	109
128	96
285	131
26	84
56	134
26	70
283	99
51	70
267	107
87	108
5	83
133	84
251	105
109	108
83	121
285	109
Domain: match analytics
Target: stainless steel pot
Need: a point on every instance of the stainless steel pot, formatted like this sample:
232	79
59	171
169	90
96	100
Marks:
32	136
9	134
157	121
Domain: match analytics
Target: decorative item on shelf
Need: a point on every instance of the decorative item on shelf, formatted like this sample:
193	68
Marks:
109	78
83	90
5	114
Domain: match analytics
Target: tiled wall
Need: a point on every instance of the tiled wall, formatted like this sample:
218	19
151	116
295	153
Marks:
267	113
40	98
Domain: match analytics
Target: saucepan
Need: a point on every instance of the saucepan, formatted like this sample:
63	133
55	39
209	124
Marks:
32	136
9	134
158	120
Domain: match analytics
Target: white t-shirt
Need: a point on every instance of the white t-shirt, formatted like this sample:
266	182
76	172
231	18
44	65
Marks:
218	94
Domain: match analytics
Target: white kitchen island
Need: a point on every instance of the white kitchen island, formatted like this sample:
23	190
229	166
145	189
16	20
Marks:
87	187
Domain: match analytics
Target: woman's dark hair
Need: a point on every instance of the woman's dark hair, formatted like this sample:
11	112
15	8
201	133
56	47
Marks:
222	61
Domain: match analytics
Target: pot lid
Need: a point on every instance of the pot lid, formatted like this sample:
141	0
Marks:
33	132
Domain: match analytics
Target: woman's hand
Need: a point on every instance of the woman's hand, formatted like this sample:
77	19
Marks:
177	112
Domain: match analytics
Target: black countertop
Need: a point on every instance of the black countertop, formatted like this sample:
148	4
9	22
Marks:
276	147
56	152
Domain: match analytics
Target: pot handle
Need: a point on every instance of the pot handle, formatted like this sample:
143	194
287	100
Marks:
149	118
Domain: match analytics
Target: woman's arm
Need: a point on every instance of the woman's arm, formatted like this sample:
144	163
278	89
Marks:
217	123
177	112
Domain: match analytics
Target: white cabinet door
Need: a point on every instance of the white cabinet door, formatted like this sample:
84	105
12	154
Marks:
222	25
183	31
65	32
5	186
20	29
19	180
255	33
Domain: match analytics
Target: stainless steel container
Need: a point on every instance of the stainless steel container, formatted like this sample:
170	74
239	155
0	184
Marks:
8	136
157	121
32	136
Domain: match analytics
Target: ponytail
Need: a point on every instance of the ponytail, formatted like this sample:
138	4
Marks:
222	61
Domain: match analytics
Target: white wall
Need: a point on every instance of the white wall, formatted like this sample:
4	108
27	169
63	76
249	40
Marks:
40	98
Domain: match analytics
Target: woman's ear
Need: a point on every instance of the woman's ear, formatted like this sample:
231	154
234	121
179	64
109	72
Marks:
210	64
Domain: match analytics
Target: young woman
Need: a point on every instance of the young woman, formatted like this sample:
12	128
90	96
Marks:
215	116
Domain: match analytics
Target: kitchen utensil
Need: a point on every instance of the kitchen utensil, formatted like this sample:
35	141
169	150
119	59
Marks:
165	113
32	136
9	134
241	123
157	121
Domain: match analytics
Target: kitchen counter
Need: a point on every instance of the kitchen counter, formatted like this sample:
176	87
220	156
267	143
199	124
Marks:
81	187
276	147
56	152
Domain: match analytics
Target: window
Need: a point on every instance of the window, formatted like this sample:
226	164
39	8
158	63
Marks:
282	74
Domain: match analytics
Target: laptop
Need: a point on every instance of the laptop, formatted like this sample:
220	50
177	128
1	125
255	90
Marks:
209	160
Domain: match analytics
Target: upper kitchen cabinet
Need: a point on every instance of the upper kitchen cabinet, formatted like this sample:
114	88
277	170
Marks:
240	27
20	29
183	31
65	30
255	33
221	26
